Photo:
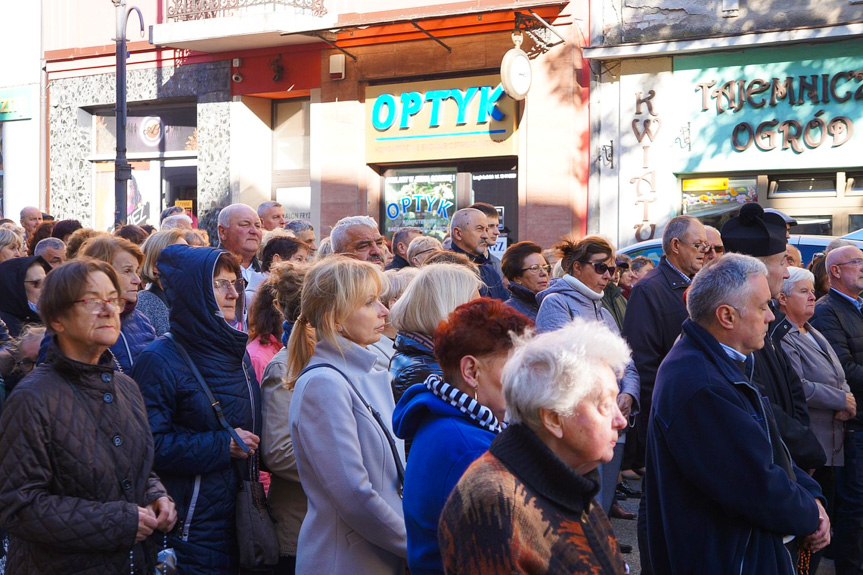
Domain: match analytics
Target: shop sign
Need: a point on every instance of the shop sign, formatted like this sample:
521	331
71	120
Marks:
422	198
15	104
444	119
773	108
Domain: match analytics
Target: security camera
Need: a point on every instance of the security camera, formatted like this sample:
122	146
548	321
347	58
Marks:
237	77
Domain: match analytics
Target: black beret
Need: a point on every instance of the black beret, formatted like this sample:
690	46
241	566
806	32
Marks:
754	232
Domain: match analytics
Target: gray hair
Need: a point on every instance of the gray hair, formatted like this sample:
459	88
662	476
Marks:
298	226
838	243
227	213
339	235
325	248
399	280
420	244
796	275
639	263
48	243
558	369
723	282
264	206
173	222
402	234
433	294
461	218
676	229
10	237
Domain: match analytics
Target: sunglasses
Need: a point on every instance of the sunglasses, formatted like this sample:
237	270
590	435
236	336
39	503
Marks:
600	267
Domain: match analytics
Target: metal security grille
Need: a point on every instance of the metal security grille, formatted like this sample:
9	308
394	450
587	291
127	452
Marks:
183	10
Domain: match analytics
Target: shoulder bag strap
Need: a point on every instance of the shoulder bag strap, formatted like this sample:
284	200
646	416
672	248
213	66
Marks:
213	401
400	468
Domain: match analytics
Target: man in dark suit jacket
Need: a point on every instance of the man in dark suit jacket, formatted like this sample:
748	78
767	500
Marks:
838	318
762	235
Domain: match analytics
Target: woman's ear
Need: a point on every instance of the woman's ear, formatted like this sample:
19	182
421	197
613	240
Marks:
551	421
469	368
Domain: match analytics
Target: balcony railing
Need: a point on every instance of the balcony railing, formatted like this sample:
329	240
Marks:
185	10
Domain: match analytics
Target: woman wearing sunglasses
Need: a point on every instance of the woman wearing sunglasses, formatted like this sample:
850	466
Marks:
199	461
589	265
20	285
528	273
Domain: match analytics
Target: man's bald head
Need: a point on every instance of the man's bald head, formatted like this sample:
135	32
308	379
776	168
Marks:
845	270
469	230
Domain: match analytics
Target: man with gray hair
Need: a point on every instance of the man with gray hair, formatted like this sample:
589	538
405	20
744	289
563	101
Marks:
305	232
272	215
469	229
31	218
358	237
177	222
402	238
838	317
714	455
52	250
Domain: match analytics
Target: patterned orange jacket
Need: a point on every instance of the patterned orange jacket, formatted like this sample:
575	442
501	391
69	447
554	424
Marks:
520	509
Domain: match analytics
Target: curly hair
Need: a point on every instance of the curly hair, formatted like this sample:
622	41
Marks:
482	327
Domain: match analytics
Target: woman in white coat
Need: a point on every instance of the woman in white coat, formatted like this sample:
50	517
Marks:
349	461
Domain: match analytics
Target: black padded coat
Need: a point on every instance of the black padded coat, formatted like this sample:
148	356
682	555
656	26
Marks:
74	468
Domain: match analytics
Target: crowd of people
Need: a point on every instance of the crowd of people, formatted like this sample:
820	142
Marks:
419	404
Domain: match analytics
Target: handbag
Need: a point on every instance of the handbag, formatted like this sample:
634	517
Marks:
256	531
400	468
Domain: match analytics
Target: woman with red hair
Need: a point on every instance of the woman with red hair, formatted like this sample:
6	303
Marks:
453	420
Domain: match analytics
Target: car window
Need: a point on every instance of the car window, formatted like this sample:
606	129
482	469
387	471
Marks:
652	251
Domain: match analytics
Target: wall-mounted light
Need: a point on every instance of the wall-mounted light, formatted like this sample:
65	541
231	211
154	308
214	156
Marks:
606	154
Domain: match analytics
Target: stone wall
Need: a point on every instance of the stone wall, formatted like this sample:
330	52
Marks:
634	21
71	135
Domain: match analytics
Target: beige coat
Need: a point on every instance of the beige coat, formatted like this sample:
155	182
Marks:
286	496
354	524
824	384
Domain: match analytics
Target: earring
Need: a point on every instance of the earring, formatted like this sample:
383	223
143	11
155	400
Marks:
474	394
339	328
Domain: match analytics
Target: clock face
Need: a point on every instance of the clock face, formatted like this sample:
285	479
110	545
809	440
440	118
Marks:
515	74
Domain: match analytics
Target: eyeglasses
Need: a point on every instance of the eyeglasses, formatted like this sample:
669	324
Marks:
718	249
224	286
95	304
25	364
703	247
599	267
36	283
424	252
622	266
536	267
857	262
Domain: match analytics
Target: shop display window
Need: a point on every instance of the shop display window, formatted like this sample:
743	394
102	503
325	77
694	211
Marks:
803	186
714	200
423	197
813	225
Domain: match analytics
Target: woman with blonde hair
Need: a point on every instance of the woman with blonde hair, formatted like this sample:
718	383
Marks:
153	302
397	282
420	248
350	465
436	291
10	245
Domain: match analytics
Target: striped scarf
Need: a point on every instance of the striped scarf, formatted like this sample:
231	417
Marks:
464	403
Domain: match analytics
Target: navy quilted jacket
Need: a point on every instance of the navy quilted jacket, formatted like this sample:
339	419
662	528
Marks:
192	450
413	362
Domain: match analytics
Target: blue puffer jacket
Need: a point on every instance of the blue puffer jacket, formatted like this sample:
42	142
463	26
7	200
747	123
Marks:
192	450
445	442
413	362
136	333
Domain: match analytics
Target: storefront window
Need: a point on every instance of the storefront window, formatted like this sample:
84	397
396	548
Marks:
423	197
291	135
822	185
854	184
813	225
149	130
715	200
499	189
855	222
2	208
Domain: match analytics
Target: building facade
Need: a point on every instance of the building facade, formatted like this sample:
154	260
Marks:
392	109
701	106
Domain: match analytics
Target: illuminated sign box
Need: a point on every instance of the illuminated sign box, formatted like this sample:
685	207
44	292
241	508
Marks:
440	120
15	104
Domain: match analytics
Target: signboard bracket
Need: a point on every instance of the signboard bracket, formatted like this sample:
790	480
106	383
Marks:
430	35
332	44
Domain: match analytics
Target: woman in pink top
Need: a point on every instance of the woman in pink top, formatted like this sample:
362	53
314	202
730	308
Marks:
265	329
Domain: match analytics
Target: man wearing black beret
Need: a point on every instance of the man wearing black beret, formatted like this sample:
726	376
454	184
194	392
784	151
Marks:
762	235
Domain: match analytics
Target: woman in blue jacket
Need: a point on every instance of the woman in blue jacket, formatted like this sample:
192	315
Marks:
453	420
195	455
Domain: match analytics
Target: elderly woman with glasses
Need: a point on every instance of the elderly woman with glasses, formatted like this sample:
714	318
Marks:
589	264
828	395
78	493
528	273
527	505
200	459
420	248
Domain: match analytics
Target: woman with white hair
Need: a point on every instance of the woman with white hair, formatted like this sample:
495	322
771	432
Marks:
398	281
527	505
435	292
828	396
10	245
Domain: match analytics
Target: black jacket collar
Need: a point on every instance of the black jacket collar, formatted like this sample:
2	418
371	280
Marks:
671	275
477	259
529	459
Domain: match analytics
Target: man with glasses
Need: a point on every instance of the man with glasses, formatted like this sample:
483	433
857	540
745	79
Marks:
654	316
762	235
715	241
838	317
469	229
